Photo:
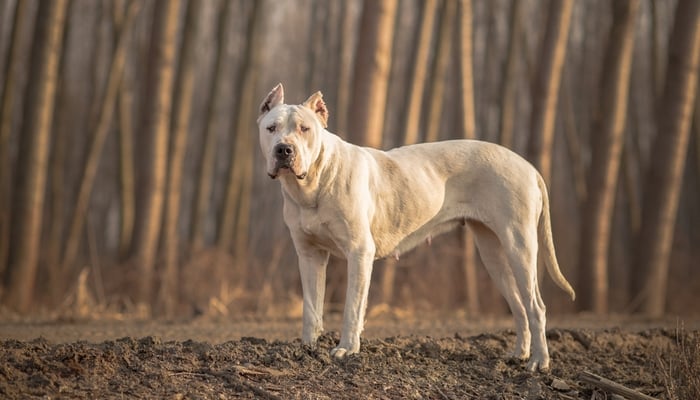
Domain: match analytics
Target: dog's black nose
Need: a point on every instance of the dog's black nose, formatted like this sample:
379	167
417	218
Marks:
283	151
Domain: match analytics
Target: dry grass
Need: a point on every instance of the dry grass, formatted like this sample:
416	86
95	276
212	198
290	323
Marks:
680	366
82	304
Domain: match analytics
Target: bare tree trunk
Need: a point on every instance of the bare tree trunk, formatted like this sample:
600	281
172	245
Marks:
52	283
697	134
657	49
419	71
573	146
508	97
158	126
665	173
344	74
54	220
244	125
631	172
28	201
12	70
372	66
606	155
94	153
318	45
205	177
466	73
127	176
412	113
546	90
235	219
469	132
168	293
439	73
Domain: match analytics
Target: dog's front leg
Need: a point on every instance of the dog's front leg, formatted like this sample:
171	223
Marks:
359	274
312	266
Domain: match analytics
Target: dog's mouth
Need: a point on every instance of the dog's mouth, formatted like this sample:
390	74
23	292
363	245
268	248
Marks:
283	168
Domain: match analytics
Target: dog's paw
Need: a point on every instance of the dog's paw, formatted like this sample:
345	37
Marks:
339	353
538	364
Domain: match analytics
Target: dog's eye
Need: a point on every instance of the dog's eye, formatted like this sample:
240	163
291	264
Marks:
304	128
271	128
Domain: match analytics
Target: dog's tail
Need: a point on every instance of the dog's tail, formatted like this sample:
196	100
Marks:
544	233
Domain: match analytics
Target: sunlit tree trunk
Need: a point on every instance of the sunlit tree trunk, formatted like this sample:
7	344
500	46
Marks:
28	200
168	290
697	134
573	145
345	69
469	132
439	73
52	280
318	45
419	72
657	49
371	77
205	177
631	167
55	218
127	191
235	218
127	176
157	128
508	97
607	142
9	95
89	171
665	173
412	113
546	89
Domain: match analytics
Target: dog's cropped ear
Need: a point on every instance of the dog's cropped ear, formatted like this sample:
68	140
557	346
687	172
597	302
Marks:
316	104
274	98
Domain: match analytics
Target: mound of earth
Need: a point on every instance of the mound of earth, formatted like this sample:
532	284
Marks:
399	367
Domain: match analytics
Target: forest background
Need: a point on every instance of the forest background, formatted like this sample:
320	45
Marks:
131	178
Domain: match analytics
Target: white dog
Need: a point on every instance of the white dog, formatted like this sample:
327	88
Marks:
363	204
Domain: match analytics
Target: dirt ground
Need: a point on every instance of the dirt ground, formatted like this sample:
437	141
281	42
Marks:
421	357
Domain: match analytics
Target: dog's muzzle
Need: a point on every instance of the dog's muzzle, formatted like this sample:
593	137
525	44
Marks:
285	155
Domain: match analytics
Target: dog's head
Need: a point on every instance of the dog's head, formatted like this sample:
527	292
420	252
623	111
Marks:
290	134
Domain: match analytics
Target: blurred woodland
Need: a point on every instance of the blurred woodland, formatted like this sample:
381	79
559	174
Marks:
131	176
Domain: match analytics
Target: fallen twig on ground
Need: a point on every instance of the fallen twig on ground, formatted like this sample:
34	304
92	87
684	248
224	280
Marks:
613	387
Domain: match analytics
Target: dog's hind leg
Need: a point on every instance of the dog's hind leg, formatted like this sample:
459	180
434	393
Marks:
496	262
520	243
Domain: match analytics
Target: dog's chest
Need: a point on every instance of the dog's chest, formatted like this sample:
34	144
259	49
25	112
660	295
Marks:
319	231
311	223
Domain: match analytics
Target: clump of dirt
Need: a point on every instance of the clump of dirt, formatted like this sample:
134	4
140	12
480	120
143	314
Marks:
400	367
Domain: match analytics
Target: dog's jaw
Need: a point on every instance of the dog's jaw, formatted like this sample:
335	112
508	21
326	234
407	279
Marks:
276	173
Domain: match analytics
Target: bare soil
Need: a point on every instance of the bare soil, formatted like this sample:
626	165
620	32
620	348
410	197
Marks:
422	357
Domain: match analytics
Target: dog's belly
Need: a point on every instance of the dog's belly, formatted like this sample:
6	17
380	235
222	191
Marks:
421	236
424	235
454	213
